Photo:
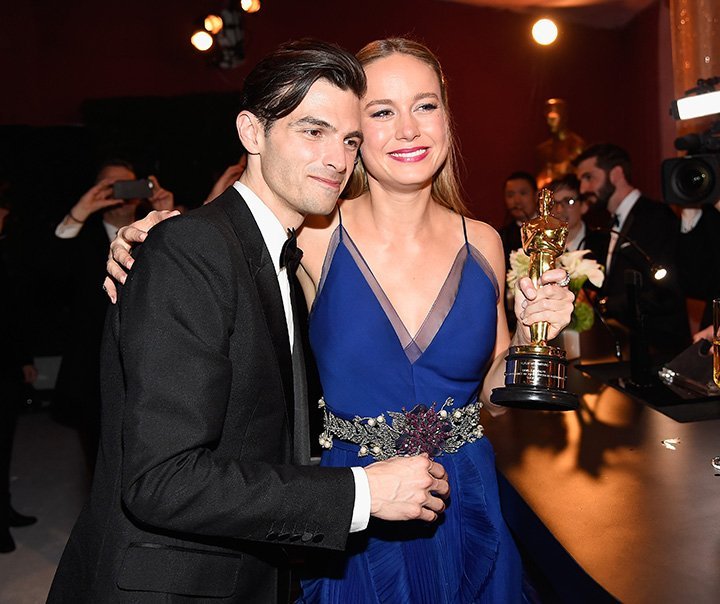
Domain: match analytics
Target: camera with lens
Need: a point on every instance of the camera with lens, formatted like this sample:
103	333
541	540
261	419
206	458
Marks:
694	178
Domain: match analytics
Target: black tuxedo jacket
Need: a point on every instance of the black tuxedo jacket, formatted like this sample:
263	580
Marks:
194	493
76	397
511	239
655	229
699	260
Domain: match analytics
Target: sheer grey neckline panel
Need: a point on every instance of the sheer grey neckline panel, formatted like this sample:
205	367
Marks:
415	346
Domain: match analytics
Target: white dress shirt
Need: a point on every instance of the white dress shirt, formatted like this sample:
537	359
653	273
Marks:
72	230
626	205
275	234
578	239
689	218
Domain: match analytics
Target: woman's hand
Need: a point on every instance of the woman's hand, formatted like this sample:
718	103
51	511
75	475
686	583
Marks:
119	259
551	302
231	174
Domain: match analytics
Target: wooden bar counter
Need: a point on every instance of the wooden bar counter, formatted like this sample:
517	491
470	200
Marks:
641	519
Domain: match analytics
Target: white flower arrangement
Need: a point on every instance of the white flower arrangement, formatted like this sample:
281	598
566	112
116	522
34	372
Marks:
579	268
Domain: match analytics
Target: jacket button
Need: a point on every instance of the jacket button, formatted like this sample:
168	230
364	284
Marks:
318	538
306	536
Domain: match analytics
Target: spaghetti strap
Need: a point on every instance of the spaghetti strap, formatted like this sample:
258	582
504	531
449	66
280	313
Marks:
341	224
464	229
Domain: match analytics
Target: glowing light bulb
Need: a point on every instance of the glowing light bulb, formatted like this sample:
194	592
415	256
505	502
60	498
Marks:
544	32
250	6
213	24
201	40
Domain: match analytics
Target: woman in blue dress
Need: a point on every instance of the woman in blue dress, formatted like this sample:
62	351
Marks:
408	328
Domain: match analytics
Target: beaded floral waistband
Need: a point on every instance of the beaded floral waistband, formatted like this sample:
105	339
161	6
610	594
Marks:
421	430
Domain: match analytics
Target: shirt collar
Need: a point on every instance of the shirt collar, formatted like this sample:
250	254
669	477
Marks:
110	230
273	232
626	205
573	244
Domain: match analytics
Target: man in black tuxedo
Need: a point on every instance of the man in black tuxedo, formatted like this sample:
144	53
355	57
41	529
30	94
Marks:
699	256
520	193
645	227
199	486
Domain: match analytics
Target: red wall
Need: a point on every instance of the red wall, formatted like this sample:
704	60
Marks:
51	59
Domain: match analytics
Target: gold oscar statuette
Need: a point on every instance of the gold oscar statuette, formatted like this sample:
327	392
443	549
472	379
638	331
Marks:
535	374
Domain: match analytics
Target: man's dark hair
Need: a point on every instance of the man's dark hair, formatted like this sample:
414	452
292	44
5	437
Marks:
115	162
280	81
523	176
566	181
607	156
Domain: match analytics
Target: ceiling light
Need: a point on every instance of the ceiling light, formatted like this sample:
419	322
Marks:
213	24
201	40
250	6
544	32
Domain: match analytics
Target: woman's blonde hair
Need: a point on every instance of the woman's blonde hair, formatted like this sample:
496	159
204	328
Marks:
446	189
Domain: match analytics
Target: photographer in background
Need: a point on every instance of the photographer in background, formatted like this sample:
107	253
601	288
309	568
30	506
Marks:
691	183
699	256
117	212
85	231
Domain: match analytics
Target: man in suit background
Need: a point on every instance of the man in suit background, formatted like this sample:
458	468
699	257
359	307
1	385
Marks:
520	193
83	236
645	227
195	492
699	256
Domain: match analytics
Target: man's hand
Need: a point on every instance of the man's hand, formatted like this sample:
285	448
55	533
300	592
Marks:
30	373
706	334
551	303
407	488
96	198
161	199
119	259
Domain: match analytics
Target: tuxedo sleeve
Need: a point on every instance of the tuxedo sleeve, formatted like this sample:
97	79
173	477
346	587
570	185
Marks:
178	312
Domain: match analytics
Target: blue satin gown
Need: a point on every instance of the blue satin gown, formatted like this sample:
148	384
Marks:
369	364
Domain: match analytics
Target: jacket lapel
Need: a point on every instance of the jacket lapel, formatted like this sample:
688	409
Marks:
266	282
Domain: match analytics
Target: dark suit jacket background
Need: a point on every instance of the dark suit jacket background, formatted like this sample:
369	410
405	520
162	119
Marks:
699	261
77	391
511	240
194	492
14	354
656	229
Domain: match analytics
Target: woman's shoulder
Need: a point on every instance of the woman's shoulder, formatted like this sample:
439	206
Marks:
482	235
486	240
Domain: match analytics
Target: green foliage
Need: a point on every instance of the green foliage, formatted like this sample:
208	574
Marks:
582	317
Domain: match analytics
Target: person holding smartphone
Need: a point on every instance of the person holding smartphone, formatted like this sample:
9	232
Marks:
117	193
112	202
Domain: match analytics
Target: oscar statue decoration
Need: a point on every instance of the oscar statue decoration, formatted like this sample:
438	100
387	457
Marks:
535	374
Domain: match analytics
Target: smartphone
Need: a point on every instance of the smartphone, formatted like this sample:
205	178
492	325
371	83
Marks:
133	189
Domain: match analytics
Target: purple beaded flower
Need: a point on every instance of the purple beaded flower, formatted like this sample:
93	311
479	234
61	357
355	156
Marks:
424	431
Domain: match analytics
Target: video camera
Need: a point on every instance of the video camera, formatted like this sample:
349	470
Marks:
695	178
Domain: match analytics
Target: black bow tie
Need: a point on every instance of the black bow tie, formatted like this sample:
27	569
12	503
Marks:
291	254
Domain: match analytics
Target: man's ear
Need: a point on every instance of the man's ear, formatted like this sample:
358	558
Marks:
616	175
250	131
